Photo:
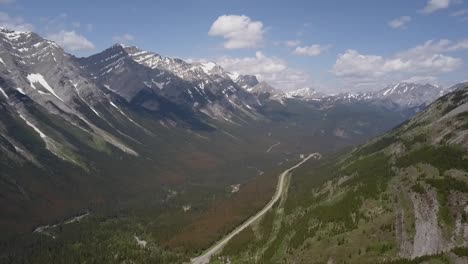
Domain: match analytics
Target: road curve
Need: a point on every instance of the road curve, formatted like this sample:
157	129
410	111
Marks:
206	256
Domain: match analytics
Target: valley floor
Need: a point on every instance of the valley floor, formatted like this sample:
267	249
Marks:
280	189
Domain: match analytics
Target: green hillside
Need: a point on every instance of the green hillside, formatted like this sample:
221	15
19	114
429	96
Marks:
401	198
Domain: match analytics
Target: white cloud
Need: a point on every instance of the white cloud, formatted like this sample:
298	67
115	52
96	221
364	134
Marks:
293	43
428	59
312	50
270	69
422	79
440	46
14	22
434	5
124	38
238	31
399	22
71	41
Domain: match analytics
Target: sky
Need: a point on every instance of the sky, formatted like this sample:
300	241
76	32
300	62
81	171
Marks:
330	45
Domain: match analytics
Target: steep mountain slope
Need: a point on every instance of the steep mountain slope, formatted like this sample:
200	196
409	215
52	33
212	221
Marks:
399	95
203	87
410	94
402	196
456	87
60	134
267	92
37	72
244	81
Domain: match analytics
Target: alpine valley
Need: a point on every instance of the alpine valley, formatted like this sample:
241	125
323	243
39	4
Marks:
128	156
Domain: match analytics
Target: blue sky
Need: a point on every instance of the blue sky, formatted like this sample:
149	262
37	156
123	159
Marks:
328	45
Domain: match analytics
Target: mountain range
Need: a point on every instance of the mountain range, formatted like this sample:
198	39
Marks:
400	198
134	141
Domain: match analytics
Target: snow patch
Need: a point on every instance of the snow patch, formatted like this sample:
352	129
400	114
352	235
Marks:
234	76
115	106
38	78
21	91
3	92
131	120
390	91
110	89
41	134
96	112
160	85
207	67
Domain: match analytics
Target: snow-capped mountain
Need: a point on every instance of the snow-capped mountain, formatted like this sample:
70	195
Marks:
205	87
37	78
97	94
399	95
244	81
407	94
304	93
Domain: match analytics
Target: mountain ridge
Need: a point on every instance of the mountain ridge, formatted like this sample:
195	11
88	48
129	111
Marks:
400	198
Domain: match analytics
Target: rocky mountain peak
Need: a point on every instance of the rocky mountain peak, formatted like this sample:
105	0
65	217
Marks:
410	94
244	81
304	93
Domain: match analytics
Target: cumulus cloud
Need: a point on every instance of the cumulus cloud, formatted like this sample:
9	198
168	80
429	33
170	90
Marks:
428	59
238	31
71	41
14	22
434	5
312	50
124	38
399	22
270	69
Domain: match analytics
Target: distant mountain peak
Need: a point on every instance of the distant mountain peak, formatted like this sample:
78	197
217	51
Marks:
5	30
244	81
304	93
410	94
265	91
124	46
